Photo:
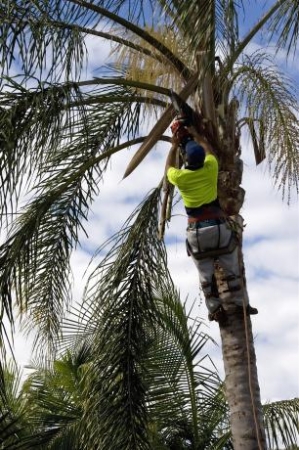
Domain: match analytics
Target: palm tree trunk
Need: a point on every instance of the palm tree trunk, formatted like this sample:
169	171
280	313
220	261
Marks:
241	379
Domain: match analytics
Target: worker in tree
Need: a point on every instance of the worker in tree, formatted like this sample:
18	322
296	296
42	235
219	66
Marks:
208	229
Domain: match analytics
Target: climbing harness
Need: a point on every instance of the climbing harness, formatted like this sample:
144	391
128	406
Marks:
213	252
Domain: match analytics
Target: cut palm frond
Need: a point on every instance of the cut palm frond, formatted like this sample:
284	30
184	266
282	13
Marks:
159	128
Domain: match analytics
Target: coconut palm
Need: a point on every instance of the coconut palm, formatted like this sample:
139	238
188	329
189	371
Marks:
59	131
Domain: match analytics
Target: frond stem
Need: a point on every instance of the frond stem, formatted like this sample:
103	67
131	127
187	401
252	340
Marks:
90	31
116	99
248	38
123	82
173	60
88	164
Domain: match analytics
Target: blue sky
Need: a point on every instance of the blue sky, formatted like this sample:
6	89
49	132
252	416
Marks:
270	250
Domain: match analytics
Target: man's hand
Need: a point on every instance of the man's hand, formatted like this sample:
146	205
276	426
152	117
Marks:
175	140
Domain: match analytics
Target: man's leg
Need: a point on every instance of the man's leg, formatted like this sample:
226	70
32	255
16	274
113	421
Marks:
232	267
232	276
205	269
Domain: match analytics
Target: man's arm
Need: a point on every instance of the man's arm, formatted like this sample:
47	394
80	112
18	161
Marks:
172	155
201	140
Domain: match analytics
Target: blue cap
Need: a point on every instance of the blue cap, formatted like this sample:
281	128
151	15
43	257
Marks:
195	154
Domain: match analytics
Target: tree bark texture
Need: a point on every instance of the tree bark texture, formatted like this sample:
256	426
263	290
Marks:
241	379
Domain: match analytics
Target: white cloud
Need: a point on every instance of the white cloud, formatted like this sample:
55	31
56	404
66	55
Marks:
98	54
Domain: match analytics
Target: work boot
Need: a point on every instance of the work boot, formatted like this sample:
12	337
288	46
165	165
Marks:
250	310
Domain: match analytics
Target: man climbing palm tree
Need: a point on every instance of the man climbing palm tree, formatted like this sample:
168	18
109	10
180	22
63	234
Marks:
209	235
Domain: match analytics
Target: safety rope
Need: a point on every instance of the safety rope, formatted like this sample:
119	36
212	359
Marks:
250	381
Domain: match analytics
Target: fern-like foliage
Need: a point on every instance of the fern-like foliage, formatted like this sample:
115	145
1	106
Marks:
281	421
67	168
271	105
121	295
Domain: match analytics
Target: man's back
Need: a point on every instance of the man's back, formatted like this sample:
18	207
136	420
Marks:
197	187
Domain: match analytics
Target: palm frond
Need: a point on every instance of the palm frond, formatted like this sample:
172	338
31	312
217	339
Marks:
14	425
281	423
181	392
9	430
204	26
96	11
33	123
153	67
26	31
181	383
121	298
285	24
35	258
270	104
137	11
41	127
56	399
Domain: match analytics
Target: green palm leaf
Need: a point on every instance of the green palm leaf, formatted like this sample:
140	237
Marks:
56	398
270	105
26	31
38	248
121	296
285	24
281	421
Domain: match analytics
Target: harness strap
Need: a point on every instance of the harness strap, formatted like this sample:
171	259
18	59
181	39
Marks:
230	277
218	227
208	214
233	289
198	244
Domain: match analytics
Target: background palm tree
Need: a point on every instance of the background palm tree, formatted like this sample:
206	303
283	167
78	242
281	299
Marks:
57	407
60	134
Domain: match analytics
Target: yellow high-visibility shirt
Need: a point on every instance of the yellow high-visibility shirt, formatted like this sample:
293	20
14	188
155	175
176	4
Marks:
197	187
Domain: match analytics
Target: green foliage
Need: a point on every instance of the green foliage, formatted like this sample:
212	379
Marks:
133	370
67	169
285	22
270	101
29	30
281	420
59	132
